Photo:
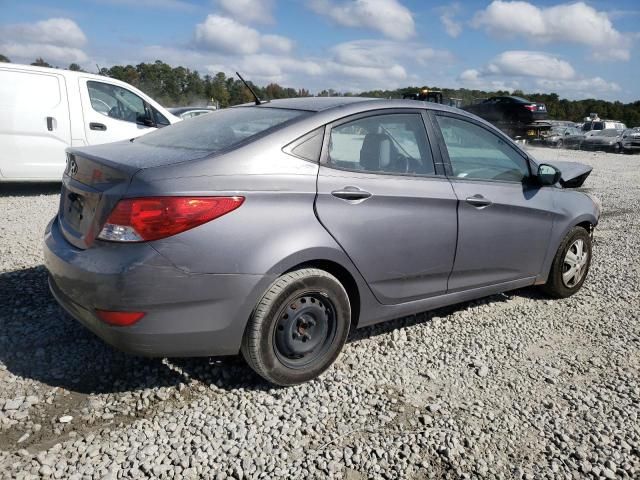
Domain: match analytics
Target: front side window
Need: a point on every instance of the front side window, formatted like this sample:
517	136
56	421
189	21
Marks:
116	102
476	153
392	143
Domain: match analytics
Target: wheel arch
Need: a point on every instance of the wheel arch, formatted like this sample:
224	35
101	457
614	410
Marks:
344	277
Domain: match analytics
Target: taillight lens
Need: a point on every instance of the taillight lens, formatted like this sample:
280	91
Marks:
531	108
153	218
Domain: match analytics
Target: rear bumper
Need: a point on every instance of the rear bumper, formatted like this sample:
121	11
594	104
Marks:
186	314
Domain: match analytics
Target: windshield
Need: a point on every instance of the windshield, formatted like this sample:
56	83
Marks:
220	129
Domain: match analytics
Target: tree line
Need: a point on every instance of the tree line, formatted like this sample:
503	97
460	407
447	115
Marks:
180	86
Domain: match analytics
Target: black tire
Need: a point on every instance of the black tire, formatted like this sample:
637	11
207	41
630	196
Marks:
290	318
560	144
556	286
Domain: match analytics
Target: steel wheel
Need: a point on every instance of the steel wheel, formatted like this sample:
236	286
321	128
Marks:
305	330
575	260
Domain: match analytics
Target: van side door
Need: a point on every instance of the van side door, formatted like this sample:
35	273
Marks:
34	124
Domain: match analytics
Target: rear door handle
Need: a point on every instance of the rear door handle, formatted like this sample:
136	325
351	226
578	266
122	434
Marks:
351	193
479	201
50	124
97	126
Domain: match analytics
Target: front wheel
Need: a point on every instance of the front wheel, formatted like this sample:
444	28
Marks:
298	328
570	265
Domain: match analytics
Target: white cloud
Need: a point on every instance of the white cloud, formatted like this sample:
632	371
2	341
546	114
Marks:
55	39
584	87
28	52
62	32
385	53
277	43
389	17
572	22
248	11
535	71
452	26
530	64
223	34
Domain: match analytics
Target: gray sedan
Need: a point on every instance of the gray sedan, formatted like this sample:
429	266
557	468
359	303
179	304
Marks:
273	229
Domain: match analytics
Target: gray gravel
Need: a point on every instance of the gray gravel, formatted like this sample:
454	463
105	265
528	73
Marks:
512	386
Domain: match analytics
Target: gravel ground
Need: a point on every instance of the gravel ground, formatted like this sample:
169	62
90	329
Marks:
511	386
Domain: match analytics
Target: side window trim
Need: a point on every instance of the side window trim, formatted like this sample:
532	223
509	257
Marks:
324	156
445	153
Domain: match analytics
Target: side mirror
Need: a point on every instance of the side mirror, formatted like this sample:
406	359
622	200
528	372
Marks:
548	174
145	120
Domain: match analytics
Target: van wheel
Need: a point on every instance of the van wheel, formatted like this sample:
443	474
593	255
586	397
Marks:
298	328
570	265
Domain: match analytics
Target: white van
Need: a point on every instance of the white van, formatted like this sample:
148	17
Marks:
45	110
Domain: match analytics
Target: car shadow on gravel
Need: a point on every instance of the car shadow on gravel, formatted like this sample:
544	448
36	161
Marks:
40	341
29	189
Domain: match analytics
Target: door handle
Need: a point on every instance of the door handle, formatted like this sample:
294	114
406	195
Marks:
50	124
479	201
351	193
97	126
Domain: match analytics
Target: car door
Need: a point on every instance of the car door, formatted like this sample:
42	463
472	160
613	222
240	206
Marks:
504	219
379	196
34	124
573	137
112	113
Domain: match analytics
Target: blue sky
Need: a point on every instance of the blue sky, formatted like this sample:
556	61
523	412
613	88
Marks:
577	49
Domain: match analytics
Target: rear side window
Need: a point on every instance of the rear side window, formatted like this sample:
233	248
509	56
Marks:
221	129
476	153
391	143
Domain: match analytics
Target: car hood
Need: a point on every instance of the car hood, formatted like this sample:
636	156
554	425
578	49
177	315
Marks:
573	173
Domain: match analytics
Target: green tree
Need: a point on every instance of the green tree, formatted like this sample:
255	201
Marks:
74	67
4	59
39	62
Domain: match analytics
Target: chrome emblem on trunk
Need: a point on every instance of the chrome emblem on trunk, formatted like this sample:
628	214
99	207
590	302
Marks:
72	168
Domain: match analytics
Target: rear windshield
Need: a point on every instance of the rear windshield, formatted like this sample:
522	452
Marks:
221	129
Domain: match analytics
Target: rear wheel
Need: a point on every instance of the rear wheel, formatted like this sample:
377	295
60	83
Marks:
560	144
570	265
298	328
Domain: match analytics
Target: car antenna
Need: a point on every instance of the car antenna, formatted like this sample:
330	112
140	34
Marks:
257	99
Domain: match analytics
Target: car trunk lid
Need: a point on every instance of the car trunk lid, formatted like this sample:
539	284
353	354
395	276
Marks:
90	189
97	177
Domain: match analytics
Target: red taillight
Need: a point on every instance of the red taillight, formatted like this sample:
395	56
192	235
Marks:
119	319
153	218
531	108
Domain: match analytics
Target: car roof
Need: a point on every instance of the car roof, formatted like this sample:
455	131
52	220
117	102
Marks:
311	104
349	105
